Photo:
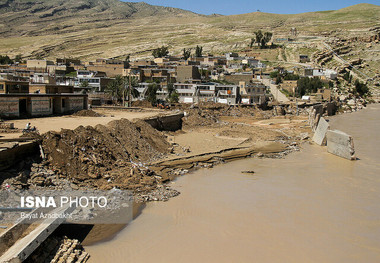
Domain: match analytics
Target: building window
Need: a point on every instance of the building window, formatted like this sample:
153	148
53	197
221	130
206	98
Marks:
1	86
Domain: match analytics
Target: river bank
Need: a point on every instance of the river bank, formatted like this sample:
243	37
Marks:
308	207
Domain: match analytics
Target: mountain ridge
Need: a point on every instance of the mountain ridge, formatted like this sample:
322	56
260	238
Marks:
111	28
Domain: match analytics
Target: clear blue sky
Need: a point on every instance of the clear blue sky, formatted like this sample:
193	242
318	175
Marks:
232	7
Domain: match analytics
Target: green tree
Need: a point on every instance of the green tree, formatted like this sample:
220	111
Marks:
151	93
160	52
186	53
361	88
18	58
116	88
291	76
5	60
274	74
198	51
84	84
134	83
170	88
174	97
278	79
261	38
308	86
347	77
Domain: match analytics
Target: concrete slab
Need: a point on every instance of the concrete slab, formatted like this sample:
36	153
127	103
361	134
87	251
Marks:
320	133
24	247
340	144
316	122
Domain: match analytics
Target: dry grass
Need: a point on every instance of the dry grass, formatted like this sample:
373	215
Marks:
88	37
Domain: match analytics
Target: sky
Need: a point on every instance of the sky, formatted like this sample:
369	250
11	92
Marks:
234	7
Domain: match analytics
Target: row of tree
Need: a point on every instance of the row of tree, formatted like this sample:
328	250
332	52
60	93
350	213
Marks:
261	38
5	60
119	88
308	86
186	52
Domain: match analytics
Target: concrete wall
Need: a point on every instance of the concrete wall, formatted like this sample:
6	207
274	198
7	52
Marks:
41	106
76	104
22	249
185	73
9	157
340	144
236	78
9	107
166	123
320	132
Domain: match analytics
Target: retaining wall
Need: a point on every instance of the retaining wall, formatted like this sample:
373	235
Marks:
166	123
10	156
340	144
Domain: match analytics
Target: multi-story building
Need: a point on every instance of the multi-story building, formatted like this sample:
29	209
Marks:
252	93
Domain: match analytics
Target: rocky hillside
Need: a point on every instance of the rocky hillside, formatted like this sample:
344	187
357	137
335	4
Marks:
35	17
89	29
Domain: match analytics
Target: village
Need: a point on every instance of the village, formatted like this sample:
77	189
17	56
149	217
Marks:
38	88
138	125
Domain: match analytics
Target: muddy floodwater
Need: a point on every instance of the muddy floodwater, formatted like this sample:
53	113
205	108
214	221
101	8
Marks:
309	207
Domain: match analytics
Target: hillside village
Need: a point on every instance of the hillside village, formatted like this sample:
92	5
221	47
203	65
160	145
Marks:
41	87
134	96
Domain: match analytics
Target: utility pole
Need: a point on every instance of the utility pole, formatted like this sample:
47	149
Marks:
130	91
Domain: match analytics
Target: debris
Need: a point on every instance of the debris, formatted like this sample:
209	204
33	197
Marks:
87	113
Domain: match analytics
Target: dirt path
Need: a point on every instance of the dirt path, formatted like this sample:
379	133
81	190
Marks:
72	122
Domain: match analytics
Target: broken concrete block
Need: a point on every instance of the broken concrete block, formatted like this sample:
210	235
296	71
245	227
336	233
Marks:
7	125
320	132
312	117
340	144
316	121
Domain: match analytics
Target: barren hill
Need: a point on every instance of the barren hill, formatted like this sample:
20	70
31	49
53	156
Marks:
36	17
109	28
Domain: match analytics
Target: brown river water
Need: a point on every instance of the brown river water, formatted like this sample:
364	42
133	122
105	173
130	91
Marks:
308	207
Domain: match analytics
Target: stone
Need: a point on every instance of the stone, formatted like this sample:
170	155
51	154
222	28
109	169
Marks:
351	102
343	97
304	136
247	172
320	133
340	144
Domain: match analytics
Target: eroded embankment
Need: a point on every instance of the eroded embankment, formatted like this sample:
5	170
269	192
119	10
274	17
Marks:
170	168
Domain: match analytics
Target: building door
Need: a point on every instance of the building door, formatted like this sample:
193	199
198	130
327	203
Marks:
23	108
57	106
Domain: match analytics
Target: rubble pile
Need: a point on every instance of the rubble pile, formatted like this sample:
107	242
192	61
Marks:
59	250
87	113
105	156
101	157
161	193
348	103
209	114
199	117
142	104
